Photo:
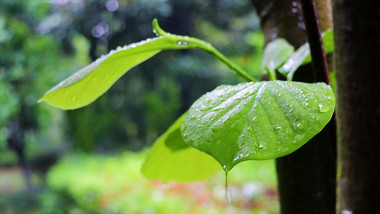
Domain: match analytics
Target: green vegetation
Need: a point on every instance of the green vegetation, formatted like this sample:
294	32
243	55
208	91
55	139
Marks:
250	121
114	184
99	173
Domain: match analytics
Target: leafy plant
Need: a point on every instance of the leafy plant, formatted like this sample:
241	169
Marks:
249	121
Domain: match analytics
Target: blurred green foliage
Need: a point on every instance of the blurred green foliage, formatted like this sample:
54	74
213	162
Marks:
43	42
114	184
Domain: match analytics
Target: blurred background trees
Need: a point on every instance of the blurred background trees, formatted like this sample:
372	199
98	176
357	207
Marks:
42	42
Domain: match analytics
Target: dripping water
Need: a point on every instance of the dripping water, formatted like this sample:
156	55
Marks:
227	190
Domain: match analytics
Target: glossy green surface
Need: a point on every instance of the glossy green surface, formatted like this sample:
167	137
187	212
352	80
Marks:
261	120
86	85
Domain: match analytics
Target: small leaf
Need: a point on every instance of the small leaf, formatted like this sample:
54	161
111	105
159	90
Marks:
171	159
302	54
275	54
261	120
86	85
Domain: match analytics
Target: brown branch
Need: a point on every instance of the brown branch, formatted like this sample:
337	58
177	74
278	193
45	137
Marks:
319	60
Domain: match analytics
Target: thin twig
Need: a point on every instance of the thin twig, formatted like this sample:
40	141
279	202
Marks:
319	60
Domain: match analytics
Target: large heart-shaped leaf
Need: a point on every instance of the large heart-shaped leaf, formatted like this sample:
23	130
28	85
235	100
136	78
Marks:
171	159
261	120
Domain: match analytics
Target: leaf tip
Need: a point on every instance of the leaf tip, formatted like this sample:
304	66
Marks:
157	29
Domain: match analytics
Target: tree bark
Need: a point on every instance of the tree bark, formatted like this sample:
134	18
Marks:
306	178
357	38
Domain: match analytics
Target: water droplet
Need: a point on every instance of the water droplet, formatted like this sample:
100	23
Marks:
181	43
254	118
347	212
306	104
73	98
261	145
205	108
278	127
291	110
300	126
224	166
323	108
193	117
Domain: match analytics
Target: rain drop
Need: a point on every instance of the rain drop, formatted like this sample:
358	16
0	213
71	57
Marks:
73	98
261	145
299	126
227	192
323	108
278	127
180	43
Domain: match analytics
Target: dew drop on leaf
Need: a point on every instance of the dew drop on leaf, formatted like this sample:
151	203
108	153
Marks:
323	108
299	126
181	43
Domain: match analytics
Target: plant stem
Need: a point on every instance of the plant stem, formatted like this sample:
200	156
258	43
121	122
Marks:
319	60
189	42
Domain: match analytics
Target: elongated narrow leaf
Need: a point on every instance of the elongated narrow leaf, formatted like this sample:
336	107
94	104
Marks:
261	120
275	54
302	54
171	159
86	85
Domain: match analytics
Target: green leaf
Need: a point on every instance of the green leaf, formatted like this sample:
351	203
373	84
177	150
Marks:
86	85
275	54
261	120
302	55
171	159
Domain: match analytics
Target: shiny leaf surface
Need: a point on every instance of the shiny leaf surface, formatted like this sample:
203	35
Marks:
261	120
86	85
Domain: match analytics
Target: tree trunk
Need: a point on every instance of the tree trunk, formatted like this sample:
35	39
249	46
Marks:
357	38
306	178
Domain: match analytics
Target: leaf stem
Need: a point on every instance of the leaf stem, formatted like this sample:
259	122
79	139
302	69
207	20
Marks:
319	60
189	42
271	73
